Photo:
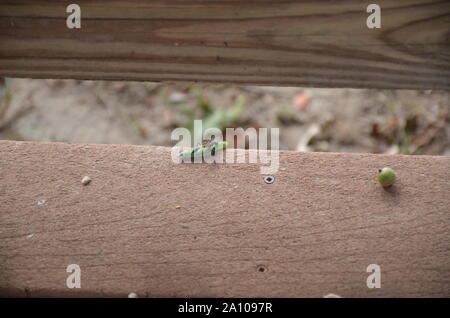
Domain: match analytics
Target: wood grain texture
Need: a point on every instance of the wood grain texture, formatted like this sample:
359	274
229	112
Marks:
290	43
147	225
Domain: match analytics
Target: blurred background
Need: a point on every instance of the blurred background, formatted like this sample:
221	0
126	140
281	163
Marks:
310	119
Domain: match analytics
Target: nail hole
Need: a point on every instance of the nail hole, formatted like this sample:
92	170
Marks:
261	268
269	179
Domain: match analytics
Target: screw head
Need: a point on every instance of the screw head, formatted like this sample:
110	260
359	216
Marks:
269	179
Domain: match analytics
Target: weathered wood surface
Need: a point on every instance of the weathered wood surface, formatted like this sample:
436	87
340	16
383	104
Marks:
149	226
289	43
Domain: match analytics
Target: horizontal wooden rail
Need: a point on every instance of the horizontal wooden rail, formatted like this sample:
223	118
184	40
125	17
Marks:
147	225
289	43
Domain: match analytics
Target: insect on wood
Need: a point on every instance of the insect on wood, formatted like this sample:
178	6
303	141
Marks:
206	148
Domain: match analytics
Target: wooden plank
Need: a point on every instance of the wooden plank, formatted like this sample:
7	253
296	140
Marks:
312	232
289	43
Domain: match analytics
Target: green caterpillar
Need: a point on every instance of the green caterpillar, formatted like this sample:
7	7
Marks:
204	149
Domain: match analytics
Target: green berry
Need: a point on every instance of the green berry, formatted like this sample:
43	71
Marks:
386	176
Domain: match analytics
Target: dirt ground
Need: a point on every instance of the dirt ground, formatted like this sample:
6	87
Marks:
336	120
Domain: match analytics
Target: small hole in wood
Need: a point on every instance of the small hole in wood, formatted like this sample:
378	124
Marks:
261	268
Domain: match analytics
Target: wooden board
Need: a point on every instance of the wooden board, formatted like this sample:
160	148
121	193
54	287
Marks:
288	43
147	225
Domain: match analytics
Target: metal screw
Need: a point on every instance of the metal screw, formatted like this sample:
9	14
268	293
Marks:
269	179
